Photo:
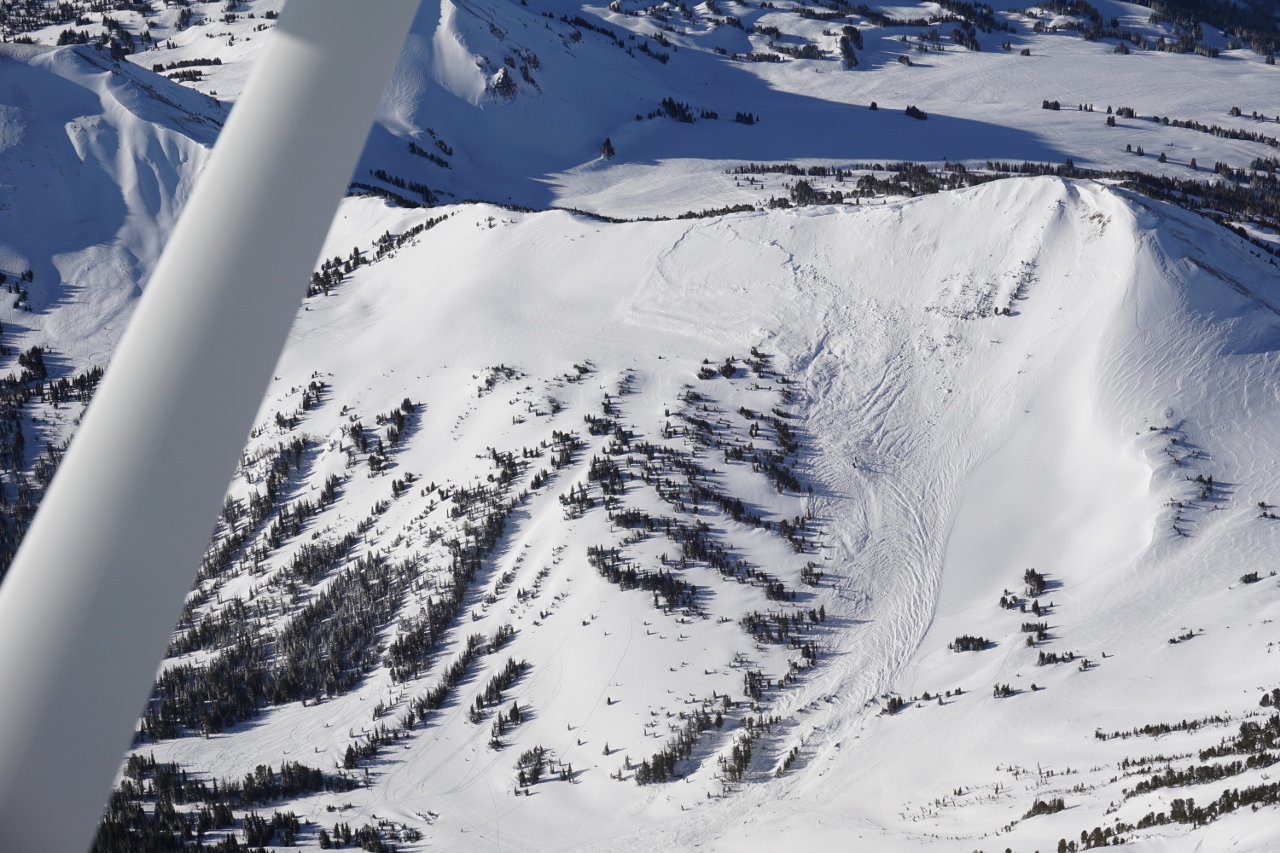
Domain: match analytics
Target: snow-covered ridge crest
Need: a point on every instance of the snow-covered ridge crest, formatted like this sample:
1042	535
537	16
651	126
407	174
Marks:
99	157
455	67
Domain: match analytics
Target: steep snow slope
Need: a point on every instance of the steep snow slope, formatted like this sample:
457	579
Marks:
540	144
97	158
518	98
944	447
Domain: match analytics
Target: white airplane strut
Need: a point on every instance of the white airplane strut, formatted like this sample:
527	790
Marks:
88	605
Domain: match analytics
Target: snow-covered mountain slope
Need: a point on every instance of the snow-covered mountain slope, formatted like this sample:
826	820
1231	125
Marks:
473	422
96	159
717	505
513	101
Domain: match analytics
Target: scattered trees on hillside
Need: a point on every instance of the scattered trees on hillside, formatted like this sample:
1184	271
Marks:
1256	741
419	151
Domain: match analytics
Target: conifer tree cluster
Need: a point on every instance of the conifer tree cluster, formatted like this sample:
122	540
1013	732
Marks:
530	765
966	643
502	681
1050	806
161	807
27	478
661	766
734	766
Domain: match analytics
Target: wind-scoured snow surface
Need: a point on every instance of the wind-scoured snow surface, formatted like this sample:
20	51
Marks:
739	488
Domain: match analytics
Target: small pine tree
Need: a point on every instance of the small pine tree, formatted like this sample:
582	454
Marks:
607	150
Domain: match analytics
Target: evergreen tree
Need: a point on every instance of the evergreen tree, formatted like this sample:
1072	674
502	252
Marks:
848	58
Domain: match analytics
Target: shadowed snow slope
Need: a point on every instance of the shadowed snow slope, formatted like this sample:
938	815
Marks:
96	159
512	101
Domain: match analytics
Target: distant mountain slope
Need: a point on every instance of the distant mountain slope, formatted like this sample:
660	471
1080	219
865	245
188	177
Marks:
549	83
512	102
98	158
